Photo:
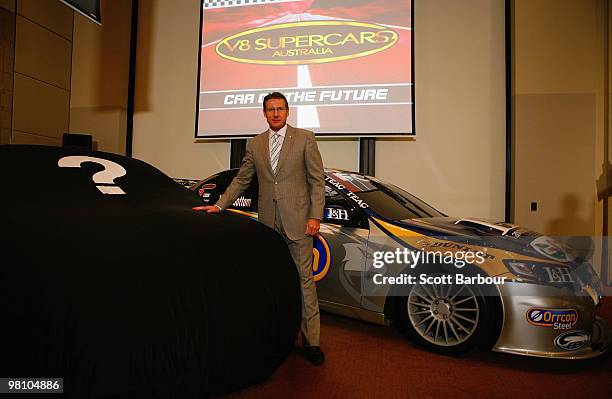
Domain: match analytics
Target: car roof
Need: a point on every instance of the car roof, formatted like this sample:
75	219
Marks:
335	170
352	181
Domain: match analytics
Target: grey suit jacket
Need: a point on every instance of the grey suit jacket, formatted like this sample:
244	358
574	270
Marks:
298	187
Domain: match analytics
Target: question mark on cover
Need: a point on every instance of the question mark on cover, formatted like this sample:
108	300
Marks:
105	178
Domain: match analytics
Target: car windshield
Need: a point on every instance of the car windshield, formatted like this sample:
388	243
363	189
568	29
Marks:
393	203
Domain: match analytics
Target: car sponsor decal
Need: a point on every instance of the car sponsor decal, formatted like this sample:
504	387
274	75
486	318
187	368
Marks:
558	319
336	213
572	340
321	258
558	274
334	183
242	201
202	190
551	249
343	189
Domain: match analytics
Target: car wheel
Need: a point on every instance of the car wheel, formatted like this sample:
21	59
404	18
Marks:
448	318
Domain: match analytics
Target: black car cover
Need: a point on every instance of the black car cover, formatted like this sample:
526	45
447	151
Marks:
132	293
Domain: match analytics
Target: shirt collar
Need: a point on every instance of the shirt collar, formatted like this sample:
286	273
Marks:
282	131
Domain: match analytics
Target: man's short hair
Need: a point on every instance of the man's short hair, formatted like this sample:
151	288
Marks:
275	94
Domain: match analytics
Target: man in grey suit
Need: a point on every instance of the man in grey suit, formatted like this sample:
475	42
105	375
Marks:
291	199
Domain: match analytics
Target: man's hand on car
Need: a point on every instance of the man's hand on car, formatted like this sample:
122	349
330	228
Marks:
207	208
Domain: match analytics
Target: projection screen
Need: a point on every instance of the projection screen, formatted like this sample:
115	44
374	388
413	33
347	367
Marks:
346	66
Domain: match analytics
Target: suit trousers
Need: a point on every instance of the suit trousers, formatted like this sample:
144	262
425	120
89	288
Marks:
301	252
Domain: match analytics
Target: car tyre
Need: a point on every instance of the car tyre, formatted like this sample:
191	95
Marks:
449	318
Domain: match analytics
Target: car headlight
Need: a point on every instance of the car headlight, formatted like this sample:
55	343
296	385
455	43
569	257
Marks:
540	272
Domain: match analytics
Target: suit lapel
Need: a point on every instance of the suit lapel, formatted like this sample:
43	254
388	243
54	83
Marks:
265	148
286	148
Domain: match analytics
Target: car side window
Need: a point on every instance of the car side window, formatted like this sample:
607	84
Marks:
338	210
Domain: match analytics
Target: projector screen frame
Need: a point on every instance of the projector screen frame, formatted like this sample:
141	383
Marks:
97	18
224	137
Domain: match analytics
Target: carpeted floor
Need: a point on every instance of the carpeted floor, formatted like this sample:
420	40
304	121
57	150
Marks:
369	361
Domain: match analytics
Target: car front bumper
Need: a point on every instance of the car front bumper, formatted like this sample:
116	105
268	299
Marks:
519	336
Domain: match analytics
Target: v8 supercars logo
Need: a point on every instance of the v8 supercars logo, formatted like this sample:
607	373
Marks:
306	42
558	319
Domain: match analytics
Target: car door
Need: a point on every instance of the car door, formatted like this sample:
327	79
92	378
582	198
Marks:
340	250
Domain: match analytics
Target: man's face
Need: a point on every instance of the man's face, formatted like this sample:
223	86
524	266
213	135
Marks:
276	113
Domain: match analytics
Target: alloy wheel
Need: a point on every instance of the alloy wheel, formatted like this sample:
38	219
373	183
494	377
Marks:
443	314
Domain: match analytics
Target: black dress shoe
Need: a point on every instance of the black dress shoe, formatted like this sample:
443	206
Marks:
314	354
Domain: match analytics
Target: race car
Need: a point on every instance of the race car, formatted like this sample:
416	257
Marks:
450	284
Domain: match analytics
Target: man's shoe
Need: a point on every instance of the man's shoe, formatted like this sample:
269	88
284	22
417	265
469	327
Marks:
314	354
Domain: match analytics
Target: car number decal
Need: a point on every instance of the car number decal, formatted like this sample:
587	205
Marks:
321	259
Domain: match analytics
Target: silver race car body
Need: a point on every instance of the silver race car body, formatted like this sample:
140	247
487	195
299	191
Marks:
516	290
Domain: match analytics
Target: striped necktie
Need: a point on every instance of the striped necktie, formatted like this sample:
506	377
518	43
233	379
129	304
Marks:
275	151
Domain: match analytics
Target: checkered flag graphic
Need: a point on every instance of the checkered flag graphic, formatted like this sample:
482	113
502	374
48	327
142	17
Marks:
208	4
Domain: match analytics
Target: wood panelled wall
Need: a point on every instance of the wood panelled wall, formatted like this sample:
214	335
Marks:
43	56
